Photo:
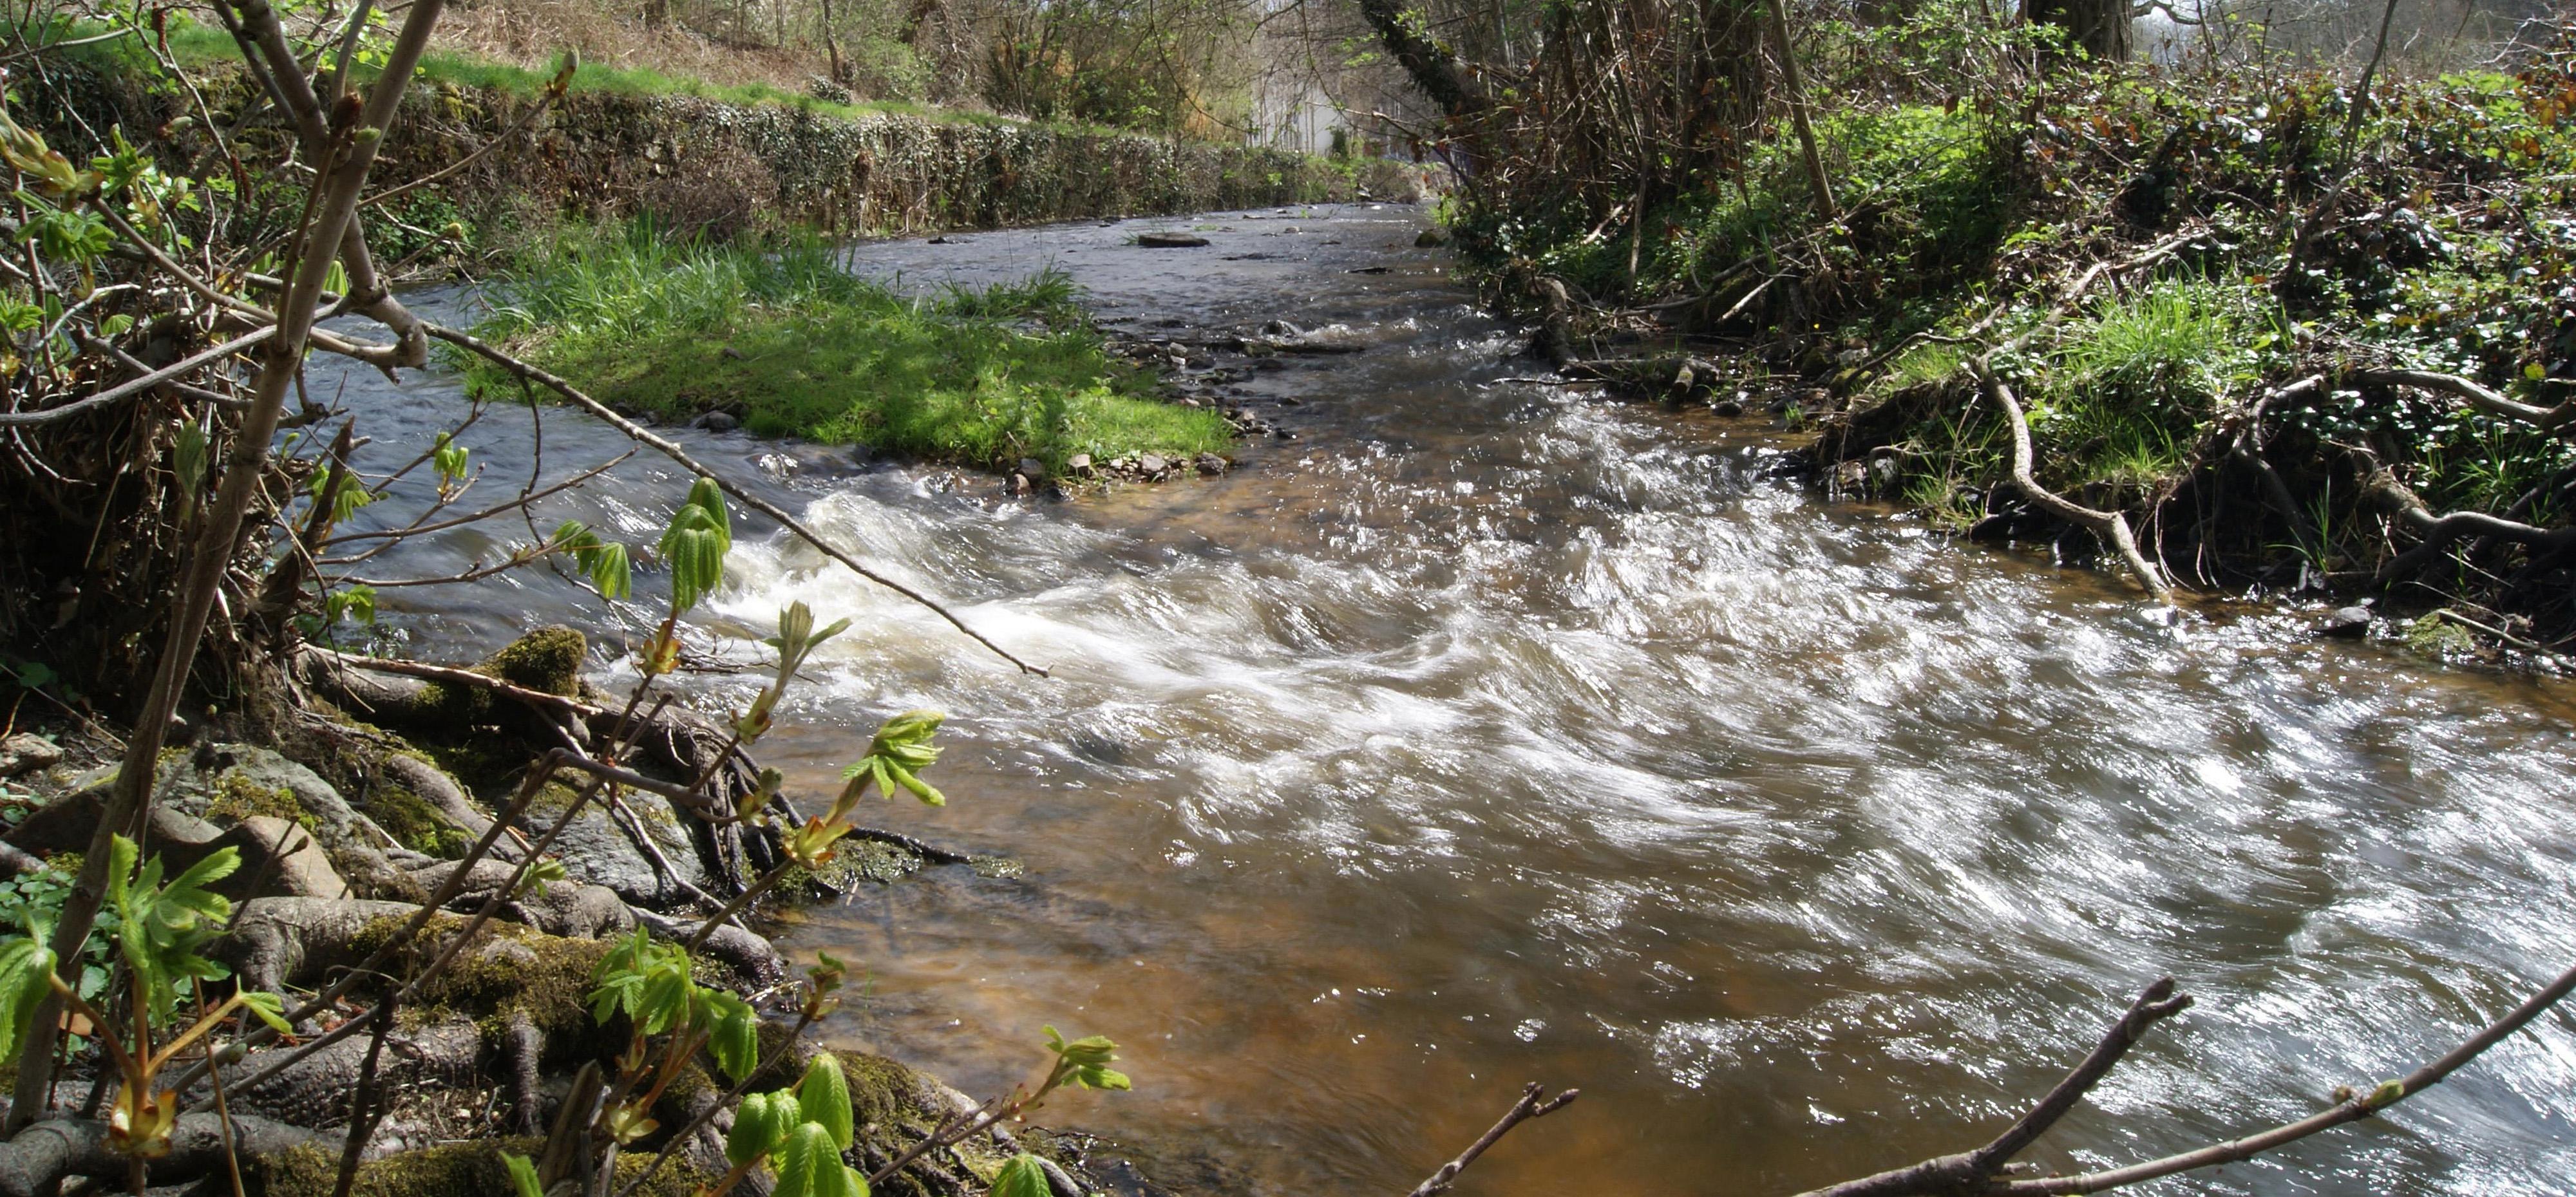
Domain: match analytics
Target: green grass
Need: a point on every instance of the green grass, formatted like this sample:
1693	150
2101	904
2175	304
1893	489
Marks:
194	46
2128	389
463	70
793	345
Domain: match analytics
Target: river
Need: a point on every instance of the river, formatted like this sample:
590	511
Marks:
1486	733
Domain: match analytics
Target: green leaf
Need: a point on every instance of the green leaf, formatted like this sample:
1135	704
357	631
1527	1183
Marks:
523	1175
810	1166
270	1008
163	926
1021	1177
1088	1060
695	544
735	1038
25	966
824	1097
448	458
760	1126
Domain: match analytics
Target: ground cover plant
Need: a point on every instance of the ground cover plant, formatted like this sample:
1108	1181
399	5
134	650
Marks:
2300	323
782	337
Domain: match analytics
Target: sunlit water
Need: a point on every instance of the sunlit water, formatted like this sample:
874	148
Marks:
1486	733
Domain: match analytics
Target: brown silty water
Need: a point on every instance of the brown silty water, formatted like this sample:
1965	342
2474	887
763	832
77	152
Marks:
1486	733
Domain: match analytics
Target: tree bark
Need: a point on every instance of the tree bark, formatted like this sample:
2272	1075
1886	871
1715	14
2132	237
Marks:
2098	27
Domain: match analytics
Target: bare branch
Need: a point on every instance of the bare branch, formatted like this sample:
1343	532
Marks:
1533	1104
2360	1106
2112	525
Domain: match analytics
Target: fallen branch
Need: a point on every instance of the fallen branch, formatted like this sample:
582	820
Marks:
1533	1104
2549	419
1969	1170
1980	1172
639	433
2436	533
2110	525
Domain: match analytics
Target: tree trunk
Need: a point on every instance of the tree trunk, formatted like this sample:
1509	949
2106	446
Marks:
1431	65
2098	27
832	46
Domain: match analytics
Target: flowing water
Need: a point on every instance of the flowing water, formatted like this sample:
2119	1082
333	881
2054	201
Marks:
1485	733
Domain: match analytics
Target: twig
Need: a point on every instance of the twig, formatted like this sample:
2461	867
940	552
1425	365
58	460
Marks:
2355	1109
1533	1104
362	1112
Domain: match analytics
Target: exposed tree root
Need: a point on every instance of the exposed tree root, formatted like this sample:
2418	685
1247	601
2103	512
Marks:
38	1159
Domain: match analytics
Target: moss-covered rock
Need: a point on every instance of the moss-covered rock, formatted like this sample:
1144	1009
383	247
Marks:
512	971
548	659
237	797
448	1170
415	824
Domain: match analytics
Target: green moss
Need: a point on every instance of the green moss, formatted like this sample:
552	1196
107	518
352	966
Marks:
854	861
548	659
484	765
415	824
447	1170
882	1091
238	798
548	983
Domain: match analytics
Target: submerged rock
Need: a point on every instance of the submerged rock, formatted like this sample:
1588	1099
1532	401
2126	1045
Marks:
2347	623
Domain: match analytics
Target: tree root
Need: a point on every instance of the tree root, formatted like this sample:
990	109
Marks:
41	1157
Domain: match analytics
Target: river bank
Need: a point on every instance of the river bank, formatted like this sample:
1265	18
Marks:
1627	764
505	159
2287	340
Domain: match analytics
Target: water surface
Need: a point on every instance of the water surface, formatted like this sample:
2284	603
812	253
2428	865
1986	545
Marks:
1486	733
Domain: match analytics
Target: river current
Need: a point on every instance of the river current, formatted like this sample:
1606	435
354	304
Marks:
1483	733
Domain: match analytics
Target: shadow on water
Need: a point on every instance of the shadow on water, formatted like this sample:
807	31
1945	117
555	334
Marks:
1483	734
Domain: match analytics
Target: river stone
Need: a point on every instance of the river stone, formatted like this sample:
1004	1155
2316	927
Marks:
2347	623
1078	464
213	770
1211	464
1033	469
717	421
1152	463
23	753
1170	240
279	859
594	849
